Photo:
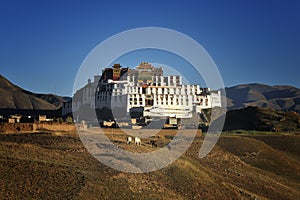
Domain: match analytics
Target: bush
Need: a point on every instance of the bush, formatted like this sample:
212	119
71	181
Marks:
69	120
60	120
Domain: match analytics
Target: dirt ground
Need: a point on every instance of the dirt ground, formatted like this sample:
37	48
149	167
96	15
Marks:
58	166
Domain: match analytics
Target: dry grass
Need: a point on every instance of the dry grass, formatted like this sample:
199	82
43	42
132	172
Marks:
54	166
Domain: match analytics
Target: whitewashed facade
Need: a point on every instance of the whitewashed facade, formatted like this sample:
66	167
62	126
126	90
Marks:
155	96
144	90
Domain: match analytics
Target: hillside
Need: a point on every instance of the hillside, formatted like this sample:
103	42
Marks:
262	119
14	97
50	166
286	98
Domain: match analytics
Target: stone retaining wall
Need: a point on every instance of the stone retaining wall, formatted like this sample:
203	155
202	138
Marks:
35	127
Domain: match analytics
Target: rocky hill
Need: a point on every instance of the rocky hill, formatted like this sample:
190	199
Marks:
285	98
14	97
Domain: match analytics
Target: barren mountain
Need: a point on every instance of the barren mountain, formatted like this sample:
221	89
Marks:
286	98
14	97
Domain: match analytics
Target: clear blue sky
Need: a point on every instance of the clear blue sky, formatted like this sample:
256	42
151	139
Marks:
43	43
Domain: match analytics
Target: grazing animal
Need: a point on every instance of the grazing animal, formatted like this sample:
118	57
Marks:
129	140
137	141
153	143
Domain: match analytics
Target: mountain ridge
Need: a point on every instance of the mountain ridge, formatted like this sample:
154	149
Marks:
15	97
278	97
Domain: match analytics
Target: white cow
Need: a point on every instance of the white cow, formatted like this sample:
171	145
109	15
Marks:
137	141
129	140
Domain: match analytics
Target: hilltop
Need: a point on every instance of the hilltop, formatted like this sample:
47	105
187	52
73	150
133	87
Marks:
280	97
14	97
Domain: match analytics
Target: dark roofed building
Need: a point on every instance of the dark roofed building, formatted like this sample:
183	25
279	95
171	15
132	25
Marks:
114	73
